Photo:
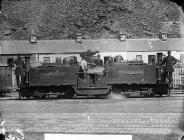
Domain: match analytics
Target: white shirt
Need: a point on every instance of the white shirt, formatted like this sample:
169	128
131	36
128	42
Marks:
83	64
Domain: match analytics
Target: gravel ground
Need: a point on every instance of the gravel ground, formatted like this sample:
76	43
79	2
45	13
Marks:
144	118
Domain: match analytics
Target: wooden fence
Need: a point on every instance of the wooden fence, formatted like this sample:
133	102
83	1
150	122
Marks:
178	77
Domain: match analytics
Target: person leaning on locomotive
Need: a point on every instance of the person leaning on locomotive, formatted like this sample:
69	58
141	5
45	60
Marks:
19	69
83	63
169	61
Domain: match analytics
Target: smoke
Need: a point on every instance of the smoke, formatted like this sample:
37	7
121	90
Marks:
116	96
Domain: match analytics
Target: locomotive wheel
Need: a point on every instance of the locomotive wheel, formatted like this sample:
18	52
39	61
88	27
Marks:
69	93
43	96
25	92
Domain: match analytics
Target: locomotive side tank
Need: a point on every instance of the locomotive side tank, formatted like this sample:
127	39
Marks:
50	78
131	73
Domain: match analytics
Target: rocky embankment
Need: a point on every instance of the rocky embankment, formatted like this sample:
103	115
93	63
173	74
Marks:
62	19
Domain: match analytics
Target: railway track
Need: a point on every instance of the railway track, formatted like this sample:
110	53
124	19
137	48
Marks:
135	116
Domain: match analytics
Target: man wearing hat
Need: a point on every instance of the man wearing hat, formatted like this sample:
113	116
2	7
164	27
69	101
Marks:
169	61
98	61
19	70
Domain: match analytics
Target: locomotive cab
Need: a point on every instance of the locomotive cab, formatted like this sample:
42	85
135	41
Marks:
93	80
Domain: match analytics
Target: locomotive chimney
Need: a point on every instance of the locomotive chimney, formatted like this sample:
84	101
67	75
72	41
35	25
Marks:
159	61
27	65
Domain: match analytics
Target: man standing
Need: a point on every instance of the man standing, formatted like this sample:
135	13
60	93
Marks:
83	64
169	61
19	69
98	61
83	67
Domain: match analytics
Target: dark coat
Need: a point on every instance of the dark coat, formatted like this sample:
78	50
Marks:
99	62
19	71
169	61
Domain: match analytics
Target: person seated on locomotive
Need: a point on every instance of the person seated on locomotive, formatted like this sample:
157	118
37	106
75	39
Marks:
110	60
19	69
169	61
83	64
98	61
83	68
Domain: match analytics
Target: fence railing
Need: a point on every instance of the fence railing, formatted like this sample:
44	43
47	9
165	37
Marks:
178	77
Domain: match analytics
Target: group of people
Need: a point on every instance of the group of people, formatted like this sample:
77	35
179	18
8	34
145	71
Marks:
84	63
19	65
168	61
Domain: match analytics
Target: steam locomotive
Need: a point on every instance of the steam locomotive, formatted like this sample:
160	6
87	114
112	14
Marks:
68	79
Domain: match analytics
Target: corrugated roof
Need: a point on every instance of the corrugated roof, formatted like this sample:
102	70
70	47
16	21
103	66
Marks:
102	45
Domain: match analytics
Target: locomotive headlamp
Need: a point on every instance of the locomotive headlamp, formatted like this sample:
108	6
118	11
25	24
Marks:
78	38
122	36
163	36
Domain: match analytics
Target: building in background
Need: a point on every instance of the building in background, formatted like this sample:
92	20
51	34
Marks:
53	51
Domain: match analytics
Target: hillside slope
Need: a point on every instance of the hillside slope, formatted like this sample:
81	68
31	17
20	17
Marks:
62	19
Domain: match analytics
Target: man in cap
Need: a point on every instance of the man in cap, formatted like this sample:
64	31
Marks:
169	61
19	70
98	61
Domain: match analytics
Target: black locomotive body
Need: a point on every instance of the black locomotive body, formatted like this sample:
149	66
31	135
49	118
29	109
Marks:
67	80
64	80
